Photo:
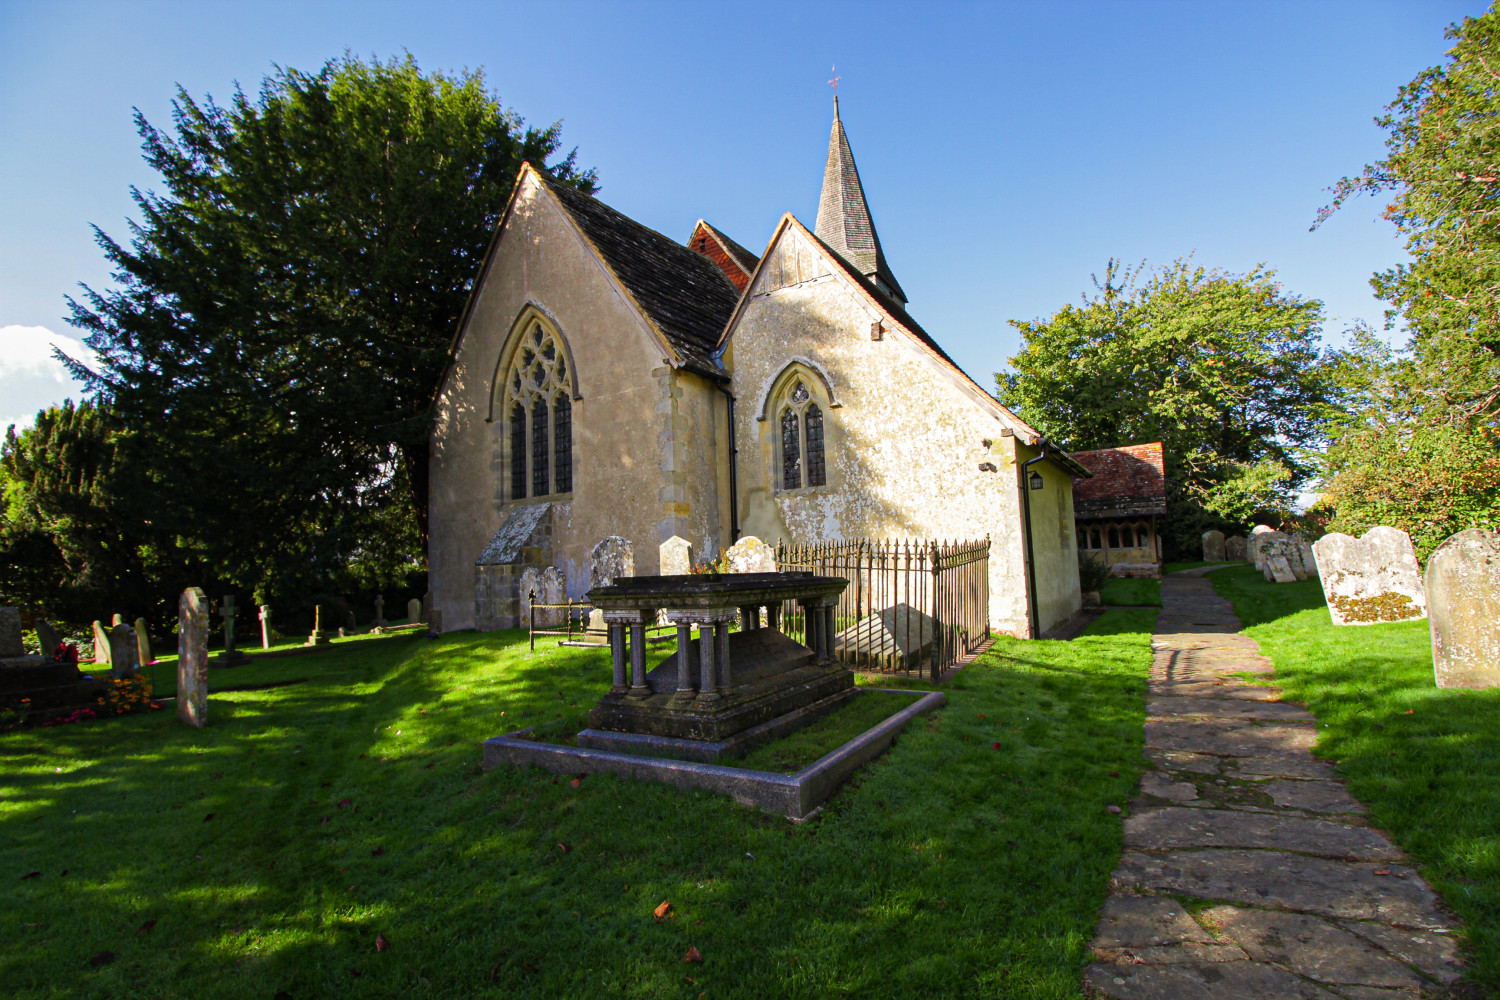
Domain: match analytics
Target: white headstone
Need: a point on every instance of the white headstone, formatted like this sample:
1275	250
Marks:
192	658
122	653
1278	569
1463	593
101	644
413	611
142	643
751	555
1252	545
676	556
1279	545
1371	579
1213	546
610	560
549	587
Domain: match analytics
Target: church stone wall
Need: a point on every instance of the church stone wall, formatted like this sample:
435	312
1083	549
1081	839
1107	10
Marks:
617	419
904	446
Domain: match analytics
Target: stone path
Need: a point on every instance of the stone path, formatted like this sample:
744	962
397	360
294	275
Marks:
1248	871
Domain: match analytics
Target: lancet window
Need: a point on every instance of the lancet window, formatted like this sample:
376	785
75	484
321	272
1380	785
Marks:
539	408
802	459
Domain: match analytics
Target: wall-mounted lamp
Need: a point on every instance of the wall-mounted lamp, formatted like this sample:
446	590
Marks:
1035	481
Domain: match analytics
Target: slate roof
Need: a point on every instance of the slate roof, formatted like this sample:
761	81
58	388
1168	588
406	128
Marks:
844	222
1128	482
682	292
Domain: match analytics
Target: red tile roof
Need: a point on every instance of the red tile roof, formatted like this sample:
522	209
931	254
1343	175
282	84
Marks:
1127	481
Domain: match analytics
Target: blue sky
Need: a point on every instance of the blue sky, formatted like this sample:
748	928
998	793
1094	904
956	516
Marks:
1008	150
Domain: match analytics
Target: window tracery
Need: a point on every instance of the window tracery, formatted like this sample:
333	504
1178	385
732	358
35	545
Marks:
803	461
538	401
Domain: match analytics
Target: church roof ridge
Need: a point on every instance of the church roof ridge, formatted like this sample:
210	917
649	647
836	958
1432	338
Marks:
844	221
744	258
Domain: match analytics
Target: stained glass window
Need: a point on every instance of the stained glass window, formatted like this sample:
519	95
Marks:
539	477
562	443
791	452
816	474
517	452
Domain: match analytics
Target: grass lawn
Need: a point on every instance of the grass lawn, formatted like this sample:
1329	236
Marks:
1426	762
272	853
1129	591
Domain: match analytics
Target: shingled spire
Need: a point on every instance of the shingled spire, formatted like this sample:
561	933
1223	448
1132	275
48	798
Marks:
843	217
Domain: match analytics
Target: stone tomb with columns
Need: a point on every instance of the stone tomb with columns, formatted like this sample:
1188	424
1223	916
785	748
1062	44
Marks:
711	690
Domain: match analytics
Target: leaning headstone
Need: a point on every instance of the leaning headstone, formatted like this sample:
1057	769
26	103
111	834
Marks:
101	644
610	560
413	611
1371	579
550	589
142	643
379	610
1305	550
122	662
231	655
1279	545
192	658
47	638
10	635
1278	569
1234	548
676	555
1463	601
1252	546
317	638
1213	546
751	555
265	626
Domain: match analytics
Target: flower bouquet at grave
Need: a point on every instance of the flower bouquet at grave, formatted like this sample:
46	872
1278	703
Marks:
66	652
14	716
128	694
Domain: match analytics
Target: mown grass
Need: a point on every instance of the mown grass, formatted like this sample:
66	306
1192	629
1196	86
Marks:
797	750
263	855
1129	591
1425	762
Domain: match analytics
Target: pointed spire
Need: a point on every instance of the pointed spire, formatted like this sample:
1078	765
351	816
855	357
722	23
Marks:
844	221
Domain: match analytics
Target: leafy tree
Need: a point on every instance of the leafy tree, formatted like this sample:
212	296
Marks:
283	309
1226	370
1442	174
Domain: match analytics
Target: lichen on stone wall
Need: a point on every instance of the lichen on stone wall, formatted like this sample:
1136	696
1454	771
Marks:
1387	607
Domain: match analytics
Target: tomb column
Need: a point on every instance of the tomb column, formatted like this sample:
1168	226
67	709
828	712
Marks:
773	615
749	617
828	628
684	657
627	642
812	619
721	654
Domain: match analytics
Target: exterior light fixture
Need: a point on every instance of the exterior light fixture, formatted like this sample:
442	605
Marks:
1035	481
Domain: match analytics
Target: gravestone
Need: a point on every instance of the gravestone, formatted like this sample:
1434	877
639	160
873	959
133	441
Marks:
48	638
1371	579
379	610
265	626
10	635
1278	569
612	559
349	625
1213	546
142	643
413	611
1463	608
1281	546
549	588
231	655
1234	548
751	555
122	663
676	556
317	638
101	644
118	619
192	657
434	621
1305	550
1252	546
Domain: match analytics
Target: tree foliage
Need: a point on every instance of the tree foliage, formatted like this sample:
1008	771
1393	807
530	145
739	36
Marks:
1226	370
282	312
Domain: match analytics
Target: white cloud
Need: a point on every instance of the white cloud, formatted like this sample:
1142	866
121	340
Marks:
31	379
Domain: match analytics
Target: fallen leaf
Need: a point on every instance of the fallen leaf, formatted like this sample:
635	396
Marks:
582	775
323	820
981	715
563	847
994	746
381	944
429	767
1411	711
362	756
208	817
64	872
1382	871
1114	774
693	955
355	973
344	802
217	774
326	784
495	971
144	927
576	783
377	852
377	943
177	807
661	911
30	875
691	980
1112	809
1011	844
103	958
530	968
197	857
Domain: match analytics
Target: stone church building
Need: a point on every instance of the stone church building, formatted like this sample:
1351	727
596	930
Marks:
609	381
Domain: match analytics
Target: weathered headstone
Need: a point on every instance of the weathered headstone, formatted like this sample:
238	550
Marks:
676	555
317	638
611	559
122	663
101	644
1371	579
47	638
349	625
1279	545
548	586
231	655
1252	545
413	611
1213	546
1278	569
192	658
118	619
434	621
143	643
10	634
1234	548
265	626
379	610
751	555
1463	608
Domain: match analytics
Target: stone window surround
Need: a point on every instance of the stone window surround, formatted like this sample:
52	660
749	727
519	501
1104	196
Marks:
503	398
776	399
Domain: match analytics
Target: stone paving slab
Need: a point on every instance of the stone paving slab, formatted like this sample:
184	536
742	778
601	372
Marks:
1305	899
1173	827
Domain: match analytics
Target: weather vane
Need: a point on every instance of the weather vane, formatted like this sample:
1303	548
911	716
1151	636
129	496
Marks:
834	83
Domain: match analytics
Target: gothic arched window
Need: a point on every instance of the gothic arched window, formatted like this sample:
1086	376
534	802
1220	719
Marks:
539	405
802	458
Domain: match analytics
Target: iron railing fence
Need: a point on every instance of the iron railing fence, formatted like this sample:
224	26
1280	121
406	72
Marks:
912	605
